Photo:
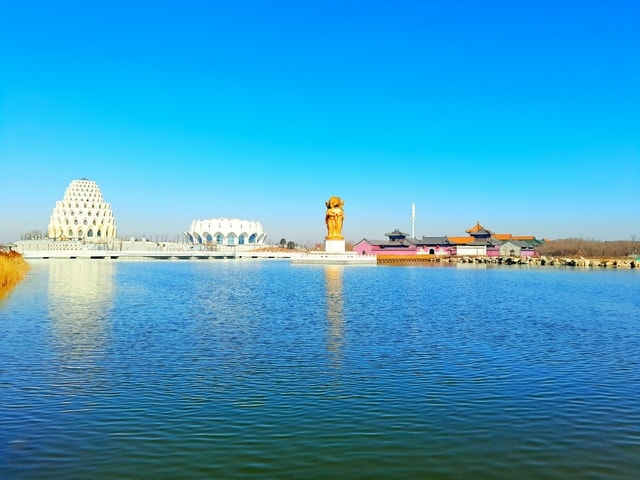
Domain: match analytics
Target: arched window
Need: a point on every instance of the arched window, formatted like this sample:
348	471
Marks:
252	238
90	233
70	233
219	239
80	233
241	239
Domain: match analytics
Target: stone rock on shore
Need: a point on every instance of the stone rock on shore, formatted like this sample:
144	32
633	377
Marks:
550	261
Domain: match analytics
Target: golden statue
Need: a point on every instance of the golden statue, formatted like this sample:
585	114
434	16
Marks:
333	218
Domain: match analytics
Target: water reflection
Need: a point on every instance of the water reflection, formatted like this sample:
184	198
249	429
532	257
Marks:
335	311
80	301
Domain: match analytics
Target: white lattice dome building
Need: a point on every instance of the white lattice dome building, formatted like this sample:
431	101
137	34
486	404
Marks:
225	231
82	214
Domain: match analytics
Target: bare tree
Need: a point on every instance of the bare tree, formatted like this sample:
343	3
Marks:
580	247
32	235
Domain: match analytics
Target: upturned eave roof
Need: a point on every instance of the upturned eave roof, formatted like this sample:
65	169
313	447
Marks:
477	228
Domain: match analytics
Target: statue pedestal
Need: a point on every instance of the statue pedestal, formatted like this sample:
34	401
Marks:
334	246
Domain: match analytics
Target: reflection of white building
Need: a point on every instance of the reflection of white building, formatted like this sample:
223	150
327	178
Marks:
81	295
225	231
82	214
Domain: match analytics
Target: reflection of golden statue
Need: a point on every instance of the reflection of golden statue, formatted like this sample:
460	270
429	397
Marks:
333	218
335	311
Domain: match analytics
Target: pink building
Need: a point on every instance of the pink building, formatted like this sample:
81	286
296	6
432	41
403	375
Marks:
398	244
479	242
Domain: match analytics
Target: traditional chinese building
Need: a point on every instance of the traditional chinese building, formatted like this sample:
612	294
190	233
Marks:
480	241
398	243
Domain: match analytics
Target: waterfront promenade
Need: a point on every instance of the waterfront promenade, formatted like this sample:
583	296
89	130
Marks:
46	249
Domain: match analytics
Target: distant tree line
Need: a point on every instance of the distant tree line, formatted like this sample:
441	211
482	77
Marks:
284	244
580	247
32	235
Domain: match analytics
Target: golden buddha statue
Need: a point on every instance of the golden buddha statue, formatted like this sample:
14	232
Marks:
333	218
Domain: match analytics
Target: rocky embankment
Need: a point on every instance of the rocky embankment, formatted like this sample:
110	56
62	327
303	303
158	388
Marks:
550	261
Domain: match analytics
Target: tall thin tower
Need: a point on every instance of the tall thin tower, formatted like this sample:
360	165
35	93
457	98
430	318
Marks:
413	220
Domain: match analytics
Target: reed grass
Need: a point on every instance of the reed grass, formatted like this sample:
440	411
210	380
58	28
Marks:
13	268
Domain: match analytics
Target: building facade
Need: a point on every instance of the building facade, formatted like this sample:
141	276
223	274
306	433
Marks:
479	242
398	243
225	231
82	214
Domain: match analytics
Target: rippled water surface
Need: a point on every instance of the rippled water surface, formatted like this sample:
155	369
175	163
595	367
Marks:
258	369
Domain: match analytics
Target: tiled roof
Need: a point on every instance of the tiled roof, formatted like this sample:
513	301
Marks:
518	243
461	240
402	240
477	228
523	237
407	242
503	236
433	241
506	237
372	241
397	233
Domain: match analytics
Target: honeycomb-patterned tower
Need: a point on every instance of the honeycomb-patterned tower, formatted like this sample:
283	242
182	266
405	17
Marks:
82	214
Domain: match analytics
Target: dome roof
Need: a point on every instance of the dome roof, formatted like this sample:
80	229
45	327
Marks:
226	231
82	214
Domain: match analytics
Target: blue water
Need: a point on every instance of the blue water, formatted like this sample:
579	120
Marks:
262	369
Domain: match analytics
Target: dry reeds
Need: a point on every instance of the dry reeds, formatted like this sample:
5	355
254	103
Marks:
13	268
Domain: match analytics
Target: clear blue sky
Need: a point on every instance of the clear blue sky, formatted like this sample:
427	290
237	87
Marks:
523	115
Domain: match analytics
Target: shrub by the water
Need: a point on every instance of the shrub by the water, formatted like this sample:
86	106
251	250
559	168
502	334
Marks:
13	268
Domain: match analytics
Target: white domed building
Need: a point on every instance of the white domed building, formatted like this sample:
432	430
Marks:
226	231
82	214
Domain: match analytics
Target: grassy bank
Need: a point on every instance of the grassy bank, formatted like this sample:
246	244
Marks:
13	268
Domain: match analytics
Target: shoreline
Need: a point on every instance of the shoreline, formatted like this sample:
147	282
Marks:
13	268
42	249
625	263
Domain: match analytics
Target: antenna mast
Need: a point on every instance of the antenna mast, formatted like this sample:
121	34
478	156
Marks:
413	220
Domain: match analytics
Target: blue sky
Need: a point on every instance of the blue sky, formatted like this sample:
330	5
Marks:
523	115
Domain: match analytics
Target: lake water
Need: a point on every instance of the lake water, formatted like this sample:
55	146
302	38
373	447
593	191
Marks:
262	369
